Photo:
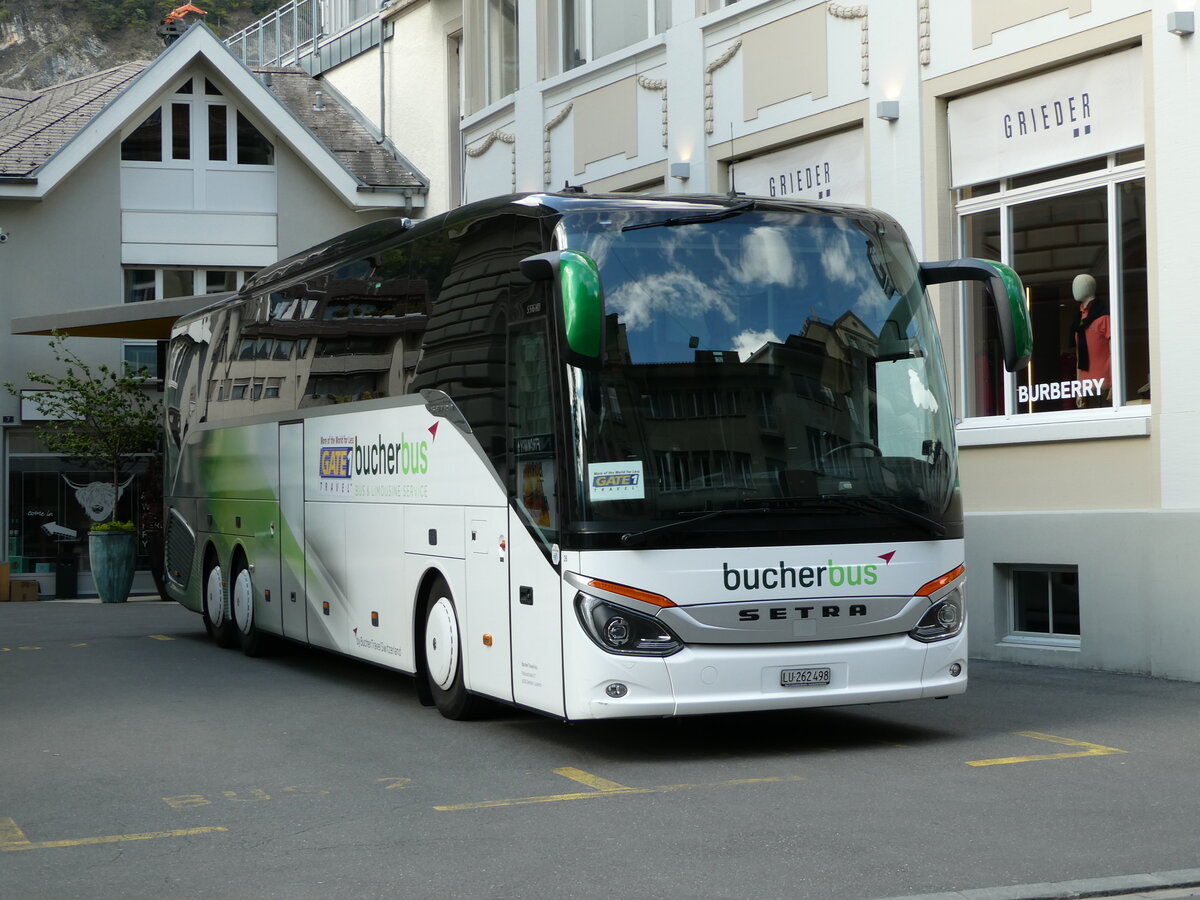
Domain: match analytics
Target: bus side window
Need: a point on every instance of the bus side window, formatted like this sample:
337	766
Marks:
534	479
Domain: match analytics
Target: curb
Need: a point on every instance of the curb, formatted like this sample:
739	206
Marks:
1121	885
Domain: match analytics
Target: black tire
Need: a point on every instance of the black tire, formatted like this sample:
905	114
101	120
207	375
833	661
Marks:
241	609
217	622
443	657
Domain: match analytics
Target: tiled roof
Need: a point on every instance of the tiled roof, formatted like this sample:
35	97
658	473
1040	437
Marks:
35	125
338	129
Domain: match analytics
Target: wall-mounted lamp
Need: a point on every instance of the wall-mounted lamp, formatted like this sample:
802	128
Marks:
888	110
681	170
1181	22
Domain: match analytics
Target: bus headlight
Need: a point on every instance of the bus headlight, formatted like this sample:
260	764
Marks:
944	619
619	630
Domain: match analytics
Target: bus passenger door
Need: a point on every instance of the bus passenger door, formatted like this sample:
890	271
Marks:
291	531
535	592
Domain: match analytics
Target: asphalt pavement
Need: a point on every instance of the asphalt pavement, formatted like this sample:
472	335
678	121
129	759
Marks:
137	759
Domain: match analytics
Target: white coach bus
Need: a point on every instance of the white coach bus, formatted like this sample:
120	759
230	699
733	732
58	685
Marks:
591	455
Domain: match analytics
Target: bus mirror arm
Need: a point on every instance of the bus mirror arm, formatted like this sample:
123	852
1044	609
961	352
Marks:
1007	293
542	267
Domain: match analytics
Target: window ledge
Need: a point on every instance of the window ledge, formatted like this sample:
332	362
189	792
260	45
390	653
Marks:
1040	641
1053	427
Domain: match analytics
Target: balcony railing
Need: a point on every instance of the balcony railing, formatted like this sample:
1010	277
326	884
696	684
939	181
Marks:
298	30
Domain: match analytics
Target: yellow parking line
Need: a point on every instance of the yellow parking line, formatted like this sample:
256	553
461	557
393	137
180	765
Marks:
13	838
605	788
161	637
1088	750
593	781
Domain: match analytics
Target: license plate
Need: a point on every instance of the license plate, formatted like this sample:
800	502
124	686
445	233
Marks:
804	677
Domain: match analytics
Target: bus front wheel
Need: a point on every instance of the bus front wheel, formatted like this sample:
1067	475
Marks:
443	657
216	621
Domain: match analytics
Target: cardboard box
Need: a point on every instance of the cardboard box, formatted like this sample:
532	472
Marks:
25	589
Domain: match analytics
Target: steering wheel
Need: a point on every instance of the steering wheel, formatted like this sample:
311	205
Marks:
853	445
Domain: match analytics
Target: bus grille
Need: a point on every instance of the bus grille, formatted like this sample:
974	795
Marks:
181	548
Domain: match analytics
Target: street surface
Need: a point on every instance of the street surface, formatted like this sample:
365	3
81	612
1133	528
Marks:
141	761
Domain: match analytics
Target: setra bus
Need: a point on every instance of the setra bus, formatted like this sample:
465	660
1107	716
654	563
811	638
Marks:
591	455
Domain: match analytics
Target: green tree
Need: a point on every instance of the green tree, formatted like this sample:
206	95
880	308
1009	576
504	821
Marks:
96	416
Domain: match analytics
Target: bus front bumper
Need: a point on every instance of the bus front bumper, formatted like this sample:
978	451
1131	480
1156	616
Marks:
723	679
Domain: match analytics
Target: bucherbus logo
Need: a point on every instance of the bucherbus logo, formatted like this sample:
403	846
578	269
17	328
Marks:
392	457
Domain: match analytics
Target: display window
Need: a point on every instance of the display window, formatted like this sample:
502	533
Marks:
1076	235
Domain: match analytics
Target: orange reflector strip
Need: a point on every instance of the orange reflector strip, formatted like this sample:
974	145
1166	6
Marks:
487	640
634	593
938	583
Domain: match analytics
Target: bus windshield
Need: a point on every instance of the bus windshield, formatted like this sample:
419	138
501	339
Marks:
771	376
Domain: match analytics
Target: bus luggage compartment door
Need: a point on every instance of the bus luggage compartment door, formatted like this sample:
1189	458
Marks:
291	531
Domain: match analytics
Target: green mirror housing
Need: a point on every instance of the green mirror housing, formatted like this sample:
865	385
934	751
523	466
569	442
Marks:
581	297
1005	288
582	304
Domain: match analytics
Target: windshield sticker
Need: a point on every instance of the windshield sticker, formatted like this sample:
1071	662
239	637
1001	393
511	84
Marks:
616	481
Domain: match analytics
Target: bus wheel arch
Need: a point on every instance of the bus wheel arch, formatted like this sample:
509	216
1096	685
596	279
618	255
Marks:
438	634
218	620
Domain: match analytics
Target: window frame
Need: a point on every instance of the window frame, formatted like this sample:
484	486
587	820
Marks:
199	279
193	93
1051	638
579	49
1123	418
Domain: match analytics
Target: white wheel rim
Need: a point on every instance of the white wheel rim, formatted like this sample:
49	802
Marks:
441	643
214	599
243	601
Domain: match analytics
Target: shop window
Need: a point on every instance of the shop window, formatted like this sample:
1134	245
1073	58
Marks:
1078	241
1045	603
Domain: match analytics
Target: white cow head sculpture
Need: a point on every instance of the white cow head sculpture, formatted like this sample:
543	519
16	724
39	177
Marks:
98	498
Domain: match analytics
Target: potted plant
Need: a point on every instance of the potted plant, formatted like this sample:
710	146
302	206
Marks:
105	419
112	546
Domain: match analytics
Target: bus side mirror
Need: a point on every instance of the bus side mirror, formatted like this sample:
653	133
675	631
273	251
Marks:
579	319
1008	294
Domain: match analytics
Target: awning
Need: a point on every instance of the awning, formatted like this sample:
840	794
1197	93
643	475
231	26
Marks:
150	320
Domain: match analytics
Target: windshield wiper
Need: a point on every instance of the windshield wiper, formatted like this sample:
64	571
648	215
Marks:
695	218
878	504
635	538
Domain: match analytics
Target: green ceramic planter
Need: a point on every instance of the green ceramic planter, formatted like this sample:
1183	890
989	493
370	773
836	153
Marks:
112	563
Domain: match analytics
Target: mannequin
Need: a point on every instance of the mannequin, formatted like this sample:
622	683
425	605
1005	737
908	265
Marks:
1093	351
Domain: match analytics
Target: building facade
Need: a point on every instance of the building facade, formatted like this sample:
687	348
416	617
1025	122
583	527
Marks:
150	185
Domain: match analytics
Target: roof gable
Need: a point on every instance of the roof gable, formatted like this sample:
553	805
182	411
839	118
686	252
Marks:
44	136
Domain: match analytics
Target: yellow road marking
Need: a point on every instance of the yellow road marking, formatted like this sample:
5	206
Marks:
602	787
393	782
13	838
1088	750
586	778
11	833
81	644
161	637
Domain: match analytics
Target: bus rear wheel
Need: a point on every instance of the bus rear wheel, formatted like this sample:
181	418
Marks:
216	622
443	657
253	641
